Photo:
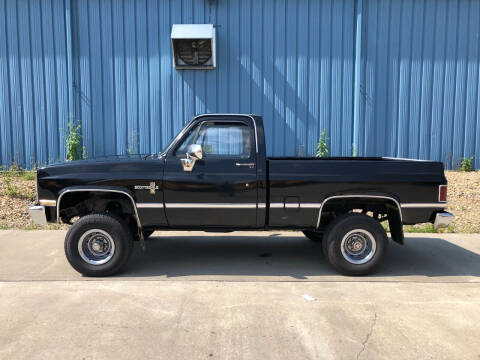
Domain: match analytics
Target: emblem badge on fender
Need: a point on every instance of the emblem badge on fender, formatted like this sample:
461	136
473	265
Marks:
152	187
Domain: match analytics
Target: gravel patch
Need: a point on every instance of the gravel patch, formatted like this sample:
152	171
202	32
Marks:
16	195
464	200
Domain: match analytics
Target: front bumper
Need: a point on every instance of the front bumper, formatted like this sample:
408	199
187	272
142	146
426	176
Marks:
37	213
442	220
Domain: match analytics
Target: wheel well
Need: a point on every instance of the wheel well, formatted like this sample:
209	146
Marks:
79	203
379	208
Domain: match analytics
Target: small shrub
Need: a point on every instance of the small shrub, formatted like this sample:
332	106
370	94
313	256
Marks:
467	164
73	142
322	147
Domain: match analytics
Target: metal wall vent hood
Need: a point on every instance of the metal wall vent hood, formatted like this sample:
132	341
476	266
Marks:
193	46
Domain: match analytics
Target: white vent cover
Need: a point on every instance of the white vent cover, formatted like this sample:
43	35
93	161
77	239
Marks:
193	46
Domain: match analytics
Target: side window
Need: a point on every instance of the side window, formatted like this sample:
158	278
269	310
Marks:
219	140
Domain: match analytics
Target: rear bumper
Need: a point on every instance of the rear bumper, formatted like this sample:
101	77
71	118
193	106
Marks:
442	220
37	213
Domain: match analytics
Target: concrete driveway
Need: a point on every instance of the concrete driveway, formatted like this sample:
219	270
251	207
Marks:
195	295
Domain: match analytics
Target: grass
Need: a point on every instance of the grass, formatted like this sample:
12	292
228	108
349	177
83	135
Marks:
10	176
29	175
11	188
426	228
31	226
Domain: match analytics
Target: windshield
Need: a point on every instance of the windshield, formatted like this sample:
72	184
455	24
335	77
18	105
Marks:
174	140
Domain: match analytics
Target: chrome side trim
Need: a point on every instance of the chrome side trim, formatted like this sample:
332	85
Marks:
423	205
226	205
292	205
45	202
149	205
310	205
399	158
139	224
358	196
295	206
210	206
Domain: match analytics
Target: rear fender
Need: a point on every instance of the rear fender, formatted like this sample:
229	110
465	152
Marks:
394	212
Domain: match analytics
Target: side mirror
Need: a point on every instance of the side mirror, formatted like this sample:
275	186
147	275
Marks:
195	152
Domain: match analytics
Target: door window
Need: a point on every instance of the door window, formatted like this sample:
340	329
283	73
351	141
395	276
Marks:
219	140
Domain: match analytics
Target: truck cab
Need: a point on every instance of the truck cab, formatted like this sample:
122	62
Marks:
215	174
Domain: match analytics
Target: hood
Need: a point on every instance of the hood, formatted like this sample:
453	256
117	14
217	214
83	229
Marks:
101	171
103	164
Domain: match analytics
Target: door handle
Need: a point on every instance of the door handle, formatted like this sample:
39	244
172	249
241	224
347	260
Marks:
250	165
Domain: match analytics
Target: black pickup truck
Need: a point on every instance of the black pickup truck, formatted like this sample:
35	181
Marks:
215	176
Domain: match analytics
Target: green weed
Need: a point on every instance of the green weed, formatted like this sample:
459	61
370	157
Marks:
73	141
467	164
322	146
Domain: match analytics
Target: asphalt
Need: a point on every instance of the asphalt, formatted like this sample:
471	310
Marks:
195	295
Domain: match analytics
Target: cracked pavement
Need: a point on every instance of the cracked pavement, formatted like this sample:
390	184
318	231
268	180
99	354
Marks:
200	295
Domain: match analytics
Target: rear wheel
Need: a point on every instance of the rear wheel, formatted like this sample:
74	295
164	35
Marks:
355	244
98	245
316	236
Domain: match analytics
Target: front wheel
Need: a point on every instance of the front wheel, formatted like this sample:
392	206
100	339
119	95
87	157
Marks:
98	245
355	244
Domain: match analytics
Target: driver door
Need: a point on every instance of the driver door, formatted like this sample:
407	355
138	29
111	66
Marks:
220	190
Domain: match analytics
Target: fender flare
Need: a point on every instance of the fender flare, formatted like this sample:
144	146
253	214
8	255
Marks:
98	189
396	228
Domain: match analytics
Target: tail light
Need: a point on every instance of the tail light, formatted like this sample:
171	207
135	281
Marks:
442	193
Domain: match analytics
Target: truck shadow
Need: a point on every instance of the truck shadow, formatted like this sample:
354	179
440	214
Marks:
295	257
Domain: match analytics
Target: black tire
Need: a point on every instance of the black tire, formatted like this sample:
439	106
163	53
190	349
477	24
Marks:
316	236
355	229
110	228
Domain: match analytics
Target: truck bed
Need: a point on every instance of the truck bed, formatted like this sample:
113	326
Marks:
309	181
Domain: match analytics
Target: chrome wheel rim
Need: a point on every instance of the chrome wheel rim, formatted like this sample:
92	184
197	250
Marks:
96	247
358	246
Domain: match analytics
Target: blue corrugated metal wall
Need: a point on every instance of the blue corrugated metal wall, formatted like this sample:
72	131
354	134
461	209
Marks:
421	79
33	81
384	77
